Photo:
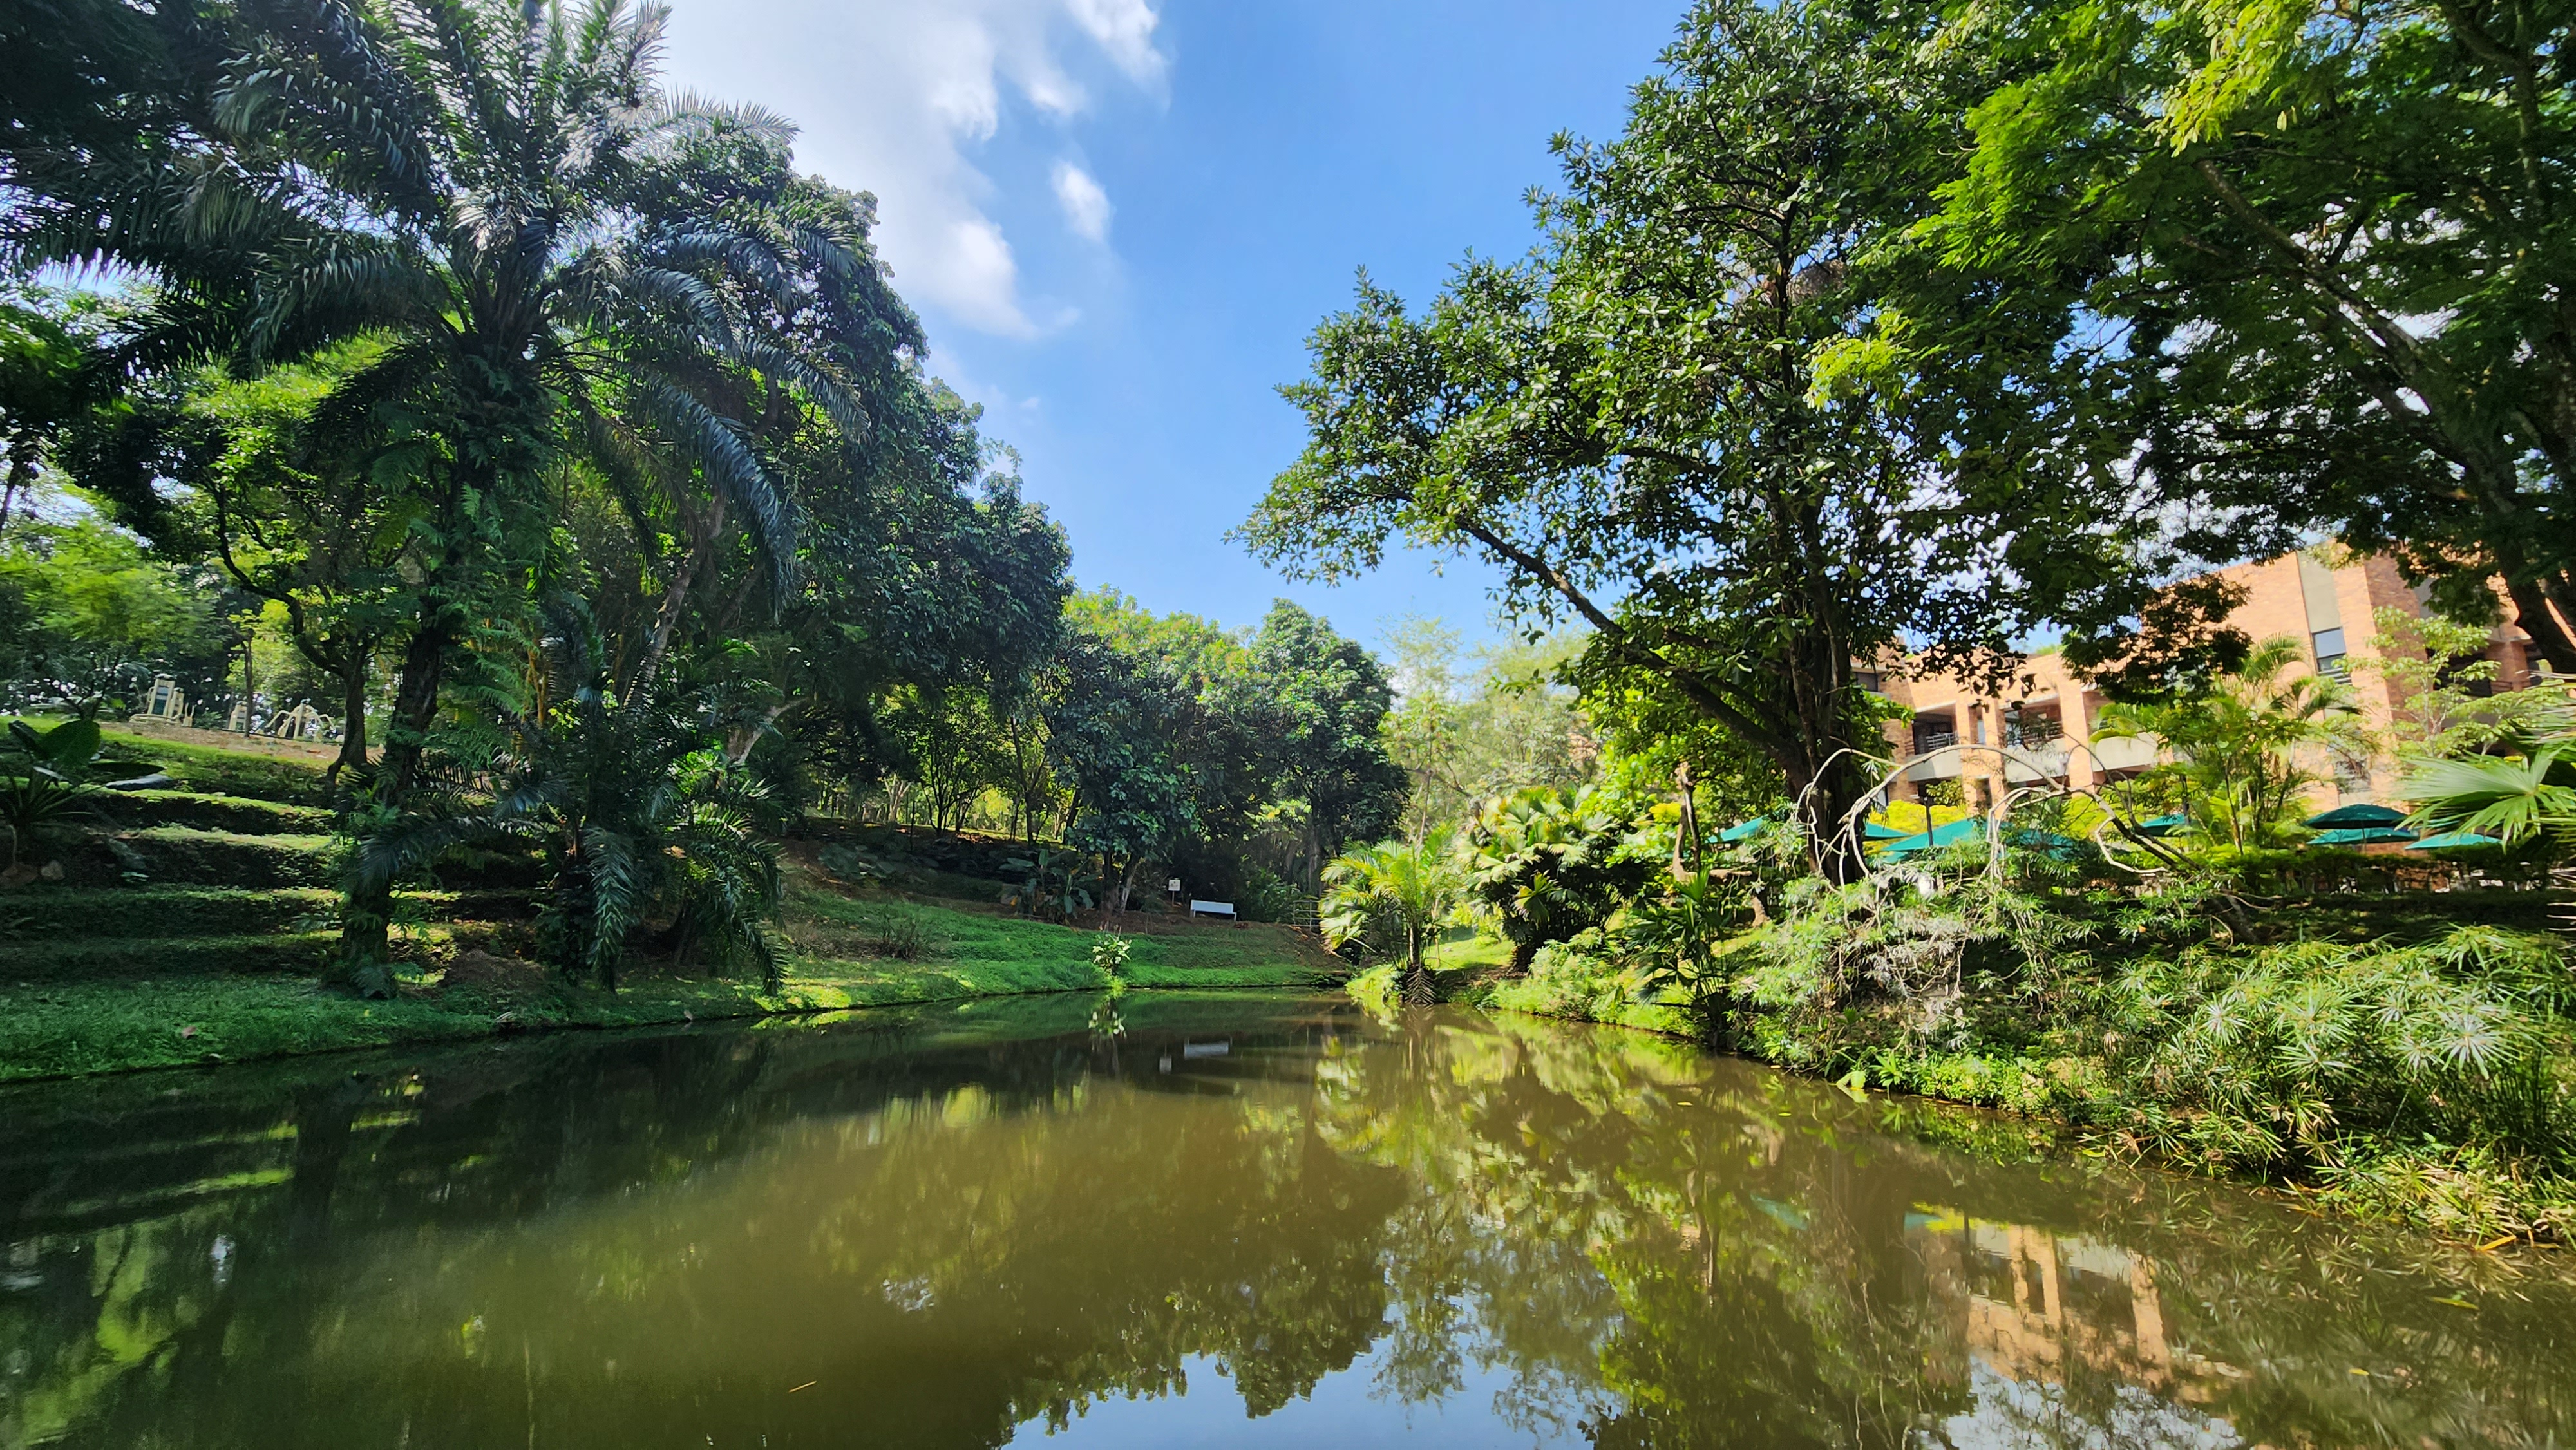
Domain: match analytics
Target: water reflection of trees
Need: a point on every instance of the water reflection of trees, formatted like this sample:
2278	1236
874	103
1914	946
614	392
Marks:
972	1228
1773	1263
950	1231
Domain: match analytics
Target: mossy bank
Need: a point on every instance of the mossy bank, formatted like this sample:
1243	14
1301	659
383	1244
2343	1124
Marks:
193	925
2396	1063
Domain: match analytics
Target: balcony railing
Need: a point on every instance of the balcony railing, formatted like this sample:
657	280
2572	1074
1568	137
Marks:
2037	732
1927	741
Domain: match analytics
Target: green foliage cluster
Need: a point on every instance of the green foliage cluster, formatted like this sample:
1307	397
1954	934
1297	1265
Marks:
2163	1030
2238	749
1226	758
1545	865
1464	734
2225	997
1391	896
484	316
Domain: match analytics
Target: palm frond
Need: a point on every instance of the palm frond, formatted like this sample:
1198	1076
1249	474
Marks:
718	446
2511	800
682	114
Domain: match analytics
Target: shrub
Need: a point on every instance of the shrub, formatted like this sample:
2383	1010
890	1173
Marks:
1109	954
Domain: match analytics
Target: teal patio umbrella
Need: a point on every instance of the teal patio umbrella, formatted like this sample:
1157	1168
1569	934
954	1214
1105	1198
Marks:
2161	825
1934	839
2362	836
1745	830
2031	839
2453	840
1873	831
2359	813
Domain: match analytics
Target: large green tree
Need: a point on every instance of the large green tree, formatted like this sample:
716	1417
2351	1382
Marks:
1330	698
2327	253
1154	724
1463	736
1724	416
506	197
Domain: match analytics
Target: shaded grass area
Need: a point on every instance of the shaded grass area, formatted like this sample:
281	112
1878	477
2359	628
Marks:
1469	975
1468	954
195	924
69	1022
213	770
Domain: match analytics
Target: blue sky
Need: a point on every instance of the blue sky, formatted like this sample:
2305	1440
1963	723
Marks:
1119	219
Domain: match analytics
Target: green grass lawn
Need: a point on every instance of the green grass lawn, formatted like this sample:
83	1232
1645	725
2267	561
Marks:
201	941
56	1028
1468	953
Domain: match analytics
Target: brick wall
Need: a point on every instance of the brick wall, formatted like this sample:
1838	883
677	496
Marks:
2337	592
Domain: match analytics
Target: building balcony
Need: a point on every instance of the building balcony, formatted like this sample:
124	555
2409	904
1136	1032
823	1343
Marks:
2124	753
2036	762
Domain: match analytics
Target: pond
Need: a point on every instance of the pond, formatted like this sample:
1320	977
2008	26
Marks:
1181	1220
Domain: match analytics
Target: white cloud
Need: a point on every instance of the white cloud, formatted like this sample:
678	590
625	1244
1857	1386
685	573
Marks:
894	96
1124	28
1086	206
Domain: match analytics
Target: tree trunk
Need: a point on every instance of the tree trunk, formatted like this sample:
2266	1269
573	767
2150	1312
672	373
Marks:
1686	828
676	598
353	727
1419	989
22	472
2549	636
367	914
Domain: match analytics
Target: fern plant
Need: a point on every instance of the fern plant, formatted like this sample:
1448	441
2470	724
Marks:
640	815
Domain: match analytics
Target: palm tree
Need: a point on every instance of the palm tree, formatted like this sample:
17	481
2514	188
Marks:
637	811
1416	882
2237	744
1549	864
546	243
2513	799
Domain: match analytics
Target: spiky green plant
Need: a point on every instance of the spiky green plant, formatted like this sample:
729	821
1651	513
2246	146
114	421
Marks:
2287	1057
2239	746
1407	887
1548	864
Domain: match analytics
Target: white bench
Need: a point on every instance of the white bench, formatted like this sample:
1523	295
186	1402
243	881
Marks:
1212	908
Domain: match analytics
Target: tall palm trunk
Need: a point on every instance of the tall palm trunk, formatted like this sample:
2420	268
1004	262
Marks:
366	917
1419	989
675	599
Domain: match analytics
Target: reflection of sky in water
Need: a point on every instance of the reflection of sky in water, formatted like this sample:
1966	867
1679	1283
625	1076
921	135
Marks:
2014	1416
1346	1408
1455	1230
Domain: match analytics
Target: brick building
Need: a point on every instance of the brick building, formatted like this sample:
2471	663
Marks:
2037	728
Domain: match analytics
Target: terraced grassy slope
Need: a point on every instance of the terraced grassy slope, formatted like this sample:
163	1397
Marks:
191	925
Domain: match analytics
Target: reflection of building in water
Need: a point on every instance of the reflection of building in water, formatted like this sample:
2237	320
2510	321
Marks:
2032	1307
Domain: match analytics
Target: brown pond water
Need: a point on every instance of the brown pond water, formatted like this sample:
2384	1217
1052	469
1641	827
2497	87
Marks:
1243	1220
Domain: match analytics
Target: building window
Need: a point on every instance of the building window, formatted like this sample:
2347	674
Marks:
2330	654
1934	732
2036	730
1870	680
